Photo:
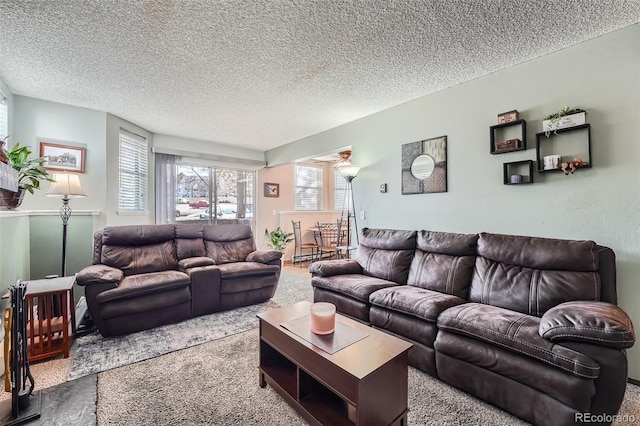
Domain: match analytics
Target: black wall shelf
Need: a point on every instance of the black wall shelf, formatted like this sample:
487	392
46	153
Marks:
497	132
542	140
517	168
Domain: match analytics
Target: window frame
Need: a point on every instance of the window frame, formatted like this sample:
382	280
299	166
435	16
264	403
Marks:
298	202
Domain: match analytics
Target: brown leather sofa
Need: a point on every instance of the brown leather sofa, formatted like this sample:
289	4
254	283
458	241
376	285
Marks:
149	275
528	324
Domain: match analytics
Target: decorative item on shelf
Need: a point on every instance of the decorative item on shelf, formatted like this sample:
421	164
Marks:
509	116
323	317
508	145
517	172
566	117
278	239
571	166
65	185
29	175
552	162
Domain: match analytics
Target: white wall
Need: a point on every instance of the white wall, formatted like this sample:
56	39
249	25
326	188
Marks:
601	204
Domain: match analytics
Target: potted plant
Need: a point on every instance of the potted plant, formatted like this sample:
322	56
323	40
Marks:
278	239
566	117
30	174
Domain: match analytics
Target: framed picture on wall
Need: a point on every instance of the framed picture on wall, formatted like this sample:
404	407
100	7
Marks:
271	190
63	157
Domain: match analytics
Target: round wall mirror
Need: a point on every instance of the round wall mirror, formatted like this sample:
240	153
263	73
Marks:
422	166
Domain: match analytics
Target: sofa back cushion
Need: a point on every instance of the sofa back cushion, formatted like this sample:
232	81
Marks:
386	253
189	241
138	249
228	243
532	275
443	262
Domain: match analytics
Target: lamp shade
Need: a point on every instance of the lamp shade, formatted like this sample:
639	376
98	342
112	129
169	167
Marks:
66	185
349	170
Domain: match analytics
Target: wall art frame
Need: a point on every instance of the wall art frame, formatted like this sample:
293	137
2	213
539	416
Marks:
424	166
70	158
271	189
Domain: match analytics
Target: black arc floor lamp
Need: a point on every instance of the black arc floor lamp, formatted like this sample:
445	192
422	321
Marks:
65	186
349	172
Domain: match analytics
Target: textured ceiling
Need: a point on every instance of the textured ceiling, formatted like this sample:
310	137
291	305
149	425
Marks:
262	73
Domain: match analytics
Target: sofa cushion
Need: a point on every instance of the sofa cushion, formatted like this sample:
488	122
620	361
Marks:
527	290
386	253
443	262
539	253
137	235
516	332
143	284
228	243
356	286
414	301
140	259
189	241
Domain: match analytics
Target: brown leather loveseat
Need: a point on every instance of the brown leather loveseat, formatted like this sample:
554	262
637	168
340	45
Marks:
528	324
144	276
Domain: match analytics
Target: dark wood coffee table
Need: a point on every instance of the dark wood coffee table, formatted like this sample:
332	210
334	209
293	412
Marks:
362	384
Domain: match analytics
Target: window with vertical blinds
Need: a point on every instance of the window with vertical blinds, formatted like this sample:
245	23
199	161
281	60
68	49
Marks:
4	117
133	172
308	187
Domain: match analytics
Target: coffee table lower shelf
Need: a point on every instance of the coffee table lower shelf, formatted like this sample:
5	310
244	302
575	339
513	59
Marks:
314	402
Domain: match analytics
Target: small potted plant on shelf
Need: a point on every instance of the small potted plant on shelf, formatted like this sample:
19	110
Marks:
566	117
278	239
30	174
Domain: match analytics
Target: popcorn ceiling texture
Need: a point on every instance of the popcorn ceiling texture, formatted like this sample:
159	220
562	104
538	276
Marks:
263	73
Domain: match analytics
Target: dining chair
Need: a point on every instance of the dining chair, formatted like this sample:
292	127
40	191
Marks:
327	237
300	247
345	245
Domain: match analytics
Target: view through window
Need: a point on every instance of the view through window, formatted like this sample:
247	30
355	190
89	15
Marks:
214	195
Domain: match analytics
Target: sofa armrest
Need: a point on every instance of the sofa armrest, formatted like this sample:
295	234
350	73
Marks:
194	262
600	323
264	256
327	268
99	274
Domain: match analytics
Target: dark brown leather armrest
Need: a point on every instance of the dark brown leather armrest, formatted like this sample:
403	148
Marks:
264	256
600	323
99	274
327	268
193	262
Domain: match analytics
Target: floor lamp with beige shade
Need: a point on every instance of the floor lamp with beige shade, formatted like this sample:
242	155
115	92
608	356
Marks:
65	186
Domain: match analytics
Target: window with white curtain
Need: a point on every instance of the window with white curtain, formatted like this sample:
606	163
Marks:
133	173
4	117
308	187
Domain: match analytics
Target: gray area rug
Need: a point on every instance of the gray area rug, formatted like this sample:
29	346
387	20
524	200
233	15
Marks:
94	353
217	384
